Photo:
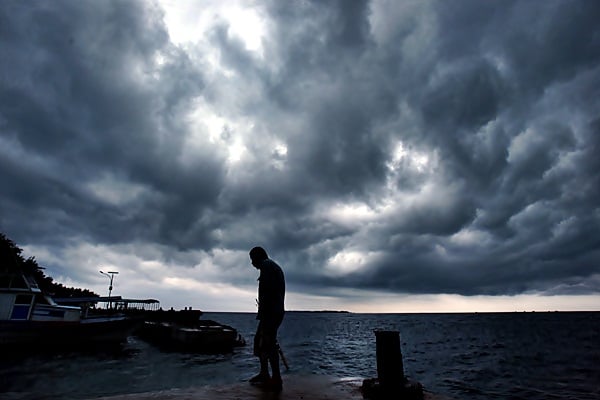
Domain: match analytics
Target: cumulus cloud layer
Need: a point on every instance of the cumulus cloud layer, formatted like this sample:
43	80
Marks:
410	147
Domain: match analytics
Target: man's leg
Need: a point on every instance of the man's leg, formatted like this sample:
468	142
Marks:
264	365
274	360
273	354
259	337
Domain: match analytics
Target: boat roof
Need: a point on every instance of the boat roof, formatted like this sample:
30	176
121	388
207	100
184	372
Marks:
17	281
139	301
105	299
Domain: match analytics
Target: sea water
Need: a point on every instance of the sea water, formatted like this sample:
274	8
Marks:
531	356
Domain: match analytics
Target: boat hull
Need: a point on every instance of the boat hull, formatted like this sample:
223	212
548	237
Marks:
208	338
52	334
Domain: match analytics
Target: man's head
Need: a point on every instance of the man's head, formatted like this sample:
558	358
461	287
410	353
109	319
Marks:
258	254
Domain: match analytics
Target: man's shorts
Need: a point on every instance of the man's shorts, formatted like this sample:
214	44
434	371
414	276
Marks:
265	340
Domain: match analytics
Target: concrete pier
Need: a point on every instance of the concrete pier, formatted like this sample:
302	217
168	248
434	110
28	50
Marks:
295	387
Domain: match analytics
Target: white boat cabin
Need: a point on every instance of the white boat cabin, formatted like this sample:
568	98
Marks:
22	300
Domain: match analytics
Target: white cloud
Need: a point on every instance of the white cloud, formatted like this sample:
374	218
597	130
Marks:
115	191
189	22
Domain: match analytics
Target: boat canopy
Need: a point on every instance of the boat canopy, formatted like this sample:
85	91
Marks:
119	302
137	304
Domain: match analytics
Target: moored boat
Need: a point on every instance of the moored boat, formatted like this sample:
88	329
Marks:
203	336
32	319
173	330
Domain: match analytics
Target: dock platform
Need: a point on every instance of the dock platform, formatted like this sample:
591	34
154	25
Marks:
295	387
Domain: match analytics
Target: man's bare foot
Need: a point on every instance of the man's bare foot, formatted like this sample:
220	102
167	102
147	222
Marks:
260	379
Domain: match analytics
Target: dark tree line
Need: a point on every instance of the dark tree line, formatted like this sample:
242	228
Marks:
12	261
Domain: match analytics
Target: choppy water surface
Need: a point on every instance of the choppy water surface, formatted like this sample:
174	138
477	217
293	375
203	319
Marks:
465	356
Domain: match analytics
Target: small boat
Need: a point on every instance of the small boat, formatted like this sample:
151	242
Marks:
172	330
202	336
30	318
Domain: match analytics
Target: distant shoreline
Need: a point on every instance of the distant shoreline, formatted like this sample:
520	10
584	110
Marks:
411	313
319	311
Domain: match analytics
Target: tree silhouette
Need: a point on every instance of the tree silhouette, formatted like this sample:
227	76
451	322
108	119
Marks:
12	261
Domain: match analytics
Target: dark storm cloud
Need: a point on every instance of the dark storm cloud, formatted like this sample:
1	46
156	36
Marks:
84	98
467	130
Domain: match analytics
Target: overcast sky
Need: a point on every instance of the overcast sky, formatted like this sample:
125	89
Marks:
389	155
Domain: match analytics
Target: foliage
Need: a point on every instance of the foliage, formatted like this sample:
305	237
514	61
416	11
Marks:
12	261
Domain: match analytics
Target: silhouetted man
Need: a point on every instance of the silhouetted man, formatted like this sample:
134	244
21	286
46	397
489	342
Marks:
271	295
